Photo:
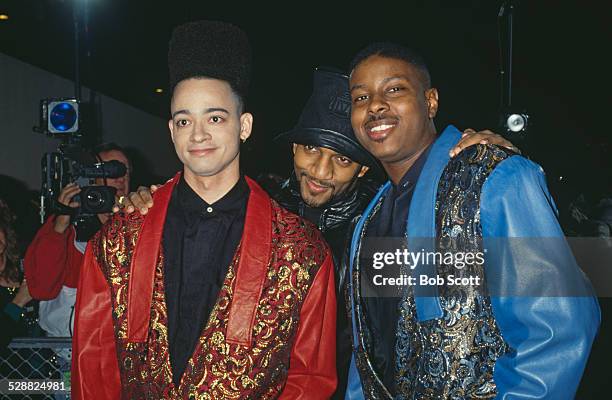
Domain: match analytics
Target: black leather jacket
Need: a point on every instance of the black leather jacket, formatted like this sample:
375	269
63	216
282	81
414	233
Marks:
335	220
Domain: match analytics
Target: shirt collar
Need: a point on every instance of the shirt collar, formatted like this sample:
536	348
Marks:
412	175
233	200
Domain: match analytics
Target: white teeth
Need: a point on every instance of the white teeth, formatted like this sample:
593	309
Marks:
381	128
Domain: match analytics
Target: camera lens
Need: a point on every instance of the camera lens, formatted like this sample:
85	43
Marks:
94	199
97	199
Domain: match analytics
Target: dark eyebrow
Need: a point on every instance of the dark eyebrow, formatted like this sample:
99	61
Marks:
354	87
216	109
386	80
207	111
174	114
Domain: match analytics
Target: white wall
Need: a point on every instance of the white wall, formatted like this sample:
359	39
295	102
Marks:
21	88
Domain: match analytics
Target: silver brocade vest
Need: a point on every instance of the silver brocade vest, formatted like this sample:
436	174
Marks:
452	357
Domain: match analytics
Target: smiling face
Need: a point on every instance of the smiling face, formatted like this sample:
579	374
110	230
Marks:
323	174
392	109
207	127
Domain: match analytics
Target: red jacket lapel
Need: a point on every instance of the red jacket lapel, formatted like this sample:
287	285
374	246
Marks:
252	267
144	260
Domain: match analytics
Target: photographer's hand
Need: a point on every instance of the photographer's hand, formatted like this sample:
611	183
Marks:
62	222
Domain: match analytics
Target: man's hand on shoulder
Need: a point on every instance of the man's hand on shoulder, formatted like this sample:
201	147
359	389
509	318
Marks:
470	137
141	200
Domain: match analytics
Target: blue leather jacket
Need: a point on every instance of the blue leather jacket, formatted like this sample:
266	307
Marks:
548	333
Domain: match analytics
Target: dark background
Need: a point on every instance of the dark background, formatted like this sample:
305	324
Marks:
560	75
560	60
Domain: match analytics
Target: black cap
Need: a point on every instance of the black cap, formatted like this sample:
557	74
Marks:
212	49
326	119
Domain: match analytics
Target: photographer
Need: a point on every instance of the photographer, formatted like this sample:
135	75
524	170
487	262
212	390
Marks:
53	259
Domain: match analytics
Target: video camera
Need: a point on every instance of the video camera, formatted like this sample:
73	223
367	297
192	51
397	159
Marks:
59	118
74	164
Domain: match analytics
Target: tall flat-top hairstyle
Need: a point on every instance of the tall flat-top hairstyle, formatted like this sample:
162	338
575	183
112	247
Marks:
210	49
398	52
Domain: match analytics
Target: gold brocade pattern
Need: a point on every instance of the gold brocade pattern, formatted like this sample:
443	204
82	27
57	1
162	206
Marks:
114	249
217	369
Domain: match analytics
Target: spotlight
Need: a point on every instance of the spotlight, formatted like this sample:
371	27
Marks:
515	122
59	117
63	116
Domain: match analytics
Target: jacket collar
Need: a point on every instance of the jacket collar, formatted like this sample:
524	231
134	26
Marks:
337	212
423	200
421	224
422	217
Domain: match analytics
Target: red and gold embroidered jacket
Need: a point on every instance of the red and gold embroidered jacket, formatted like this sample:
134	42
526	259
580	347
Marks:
271	333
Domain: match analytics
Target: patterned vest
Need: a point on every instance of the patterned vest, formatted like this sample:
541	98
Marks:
452	357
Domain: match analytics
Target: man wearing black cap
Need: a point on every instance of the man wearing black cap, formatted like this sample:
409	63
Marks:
217	292
328	161
325	186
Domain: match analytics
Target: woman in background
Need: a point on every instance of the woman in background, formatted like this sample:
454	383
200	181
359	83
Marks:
14	294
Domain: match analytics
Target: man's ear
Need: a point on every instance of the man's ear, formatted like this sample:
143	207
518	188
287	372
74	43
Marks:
431	96
171	127
246	125
363	171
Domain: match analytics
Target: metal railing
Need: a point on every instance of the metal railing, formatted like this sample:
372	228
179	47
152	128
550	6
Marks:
37	359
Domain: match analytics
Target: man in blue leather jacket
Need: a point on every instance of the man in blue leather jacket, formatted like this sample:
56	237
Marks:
522	325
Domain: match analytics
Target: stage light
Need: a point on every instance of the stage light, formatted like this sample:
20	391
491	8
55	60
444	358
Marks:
63	116
159	90
59	117
4	17
515	122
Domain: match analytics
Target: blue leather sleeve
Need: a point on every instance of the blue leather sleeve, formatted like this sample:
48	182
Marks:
354	391
550	335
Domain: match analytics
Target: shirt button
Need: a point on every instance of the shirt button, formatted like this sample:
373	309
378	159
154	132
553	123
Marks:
209	209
